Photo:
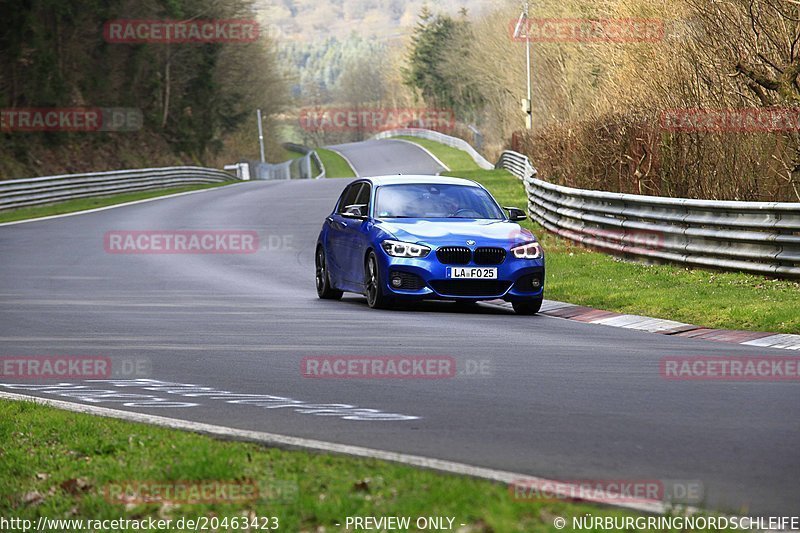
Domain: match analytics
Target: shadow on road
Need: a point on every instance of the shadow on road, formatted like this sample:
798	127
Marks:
433	307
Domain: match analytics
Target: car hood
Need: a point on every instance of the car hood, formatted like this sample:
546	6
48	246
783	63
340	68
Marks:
456	232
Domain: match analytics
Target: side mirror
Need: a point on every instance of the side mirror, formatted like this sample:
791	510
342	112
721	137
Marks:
515	214
355	211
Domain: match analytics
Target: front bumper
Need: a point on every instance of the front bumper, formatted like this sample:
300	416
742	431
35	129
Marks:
513	283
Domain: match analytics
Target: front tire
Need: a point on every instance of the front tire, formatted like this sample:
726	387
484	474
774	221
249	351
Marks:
324	288
527	307
373	282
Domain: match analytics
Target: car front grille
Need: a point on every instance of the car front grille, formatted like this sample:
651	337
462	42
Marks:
470	287
489	256
408	281
454	255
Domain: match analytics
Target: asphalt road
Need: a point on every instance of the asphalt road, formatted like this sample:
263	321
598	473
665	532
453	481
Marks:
387	156
557	399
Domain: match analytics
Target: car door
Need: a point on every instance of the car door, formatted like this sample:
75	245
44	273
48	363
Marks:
337	247
357	235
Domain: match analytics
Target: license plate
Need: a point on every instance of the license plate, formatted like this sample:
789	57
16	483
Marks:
471	273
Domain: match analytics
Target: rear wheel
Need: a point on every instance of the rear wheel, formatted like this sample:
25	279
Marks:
376	298
324	288
527	307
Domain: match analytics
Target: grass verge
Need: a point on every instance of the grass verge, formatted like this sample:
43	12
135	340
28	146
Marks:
335	165
454	158
82	204
289	154
62	465
575	274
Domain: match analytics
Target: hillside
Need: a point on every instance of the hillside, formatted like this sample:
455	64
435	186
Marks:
315	20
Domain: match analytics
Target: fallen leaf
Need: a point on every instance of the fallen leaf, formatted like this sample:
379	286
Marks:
165	510
75	486
546	516
32	498
363	485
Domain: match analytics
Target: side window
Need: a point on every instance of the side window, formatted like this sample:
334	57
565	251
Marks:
363	198
348	197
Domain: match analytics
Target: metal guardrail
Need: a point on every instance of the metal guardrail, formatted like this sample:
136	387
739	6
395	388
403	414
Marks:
242	170
273	171
759	237
320	165
309	155
448	140
50	189
300	168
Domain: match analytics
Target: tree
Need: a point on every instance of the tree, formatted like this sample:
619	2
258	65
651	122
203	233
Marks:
53	53
435	44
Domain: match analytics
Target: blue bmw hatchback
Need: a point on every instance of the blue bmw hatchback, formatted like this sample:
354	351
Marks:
395	238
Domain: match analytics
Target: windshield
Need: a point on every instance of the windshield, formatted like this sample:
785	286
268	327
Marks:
421	200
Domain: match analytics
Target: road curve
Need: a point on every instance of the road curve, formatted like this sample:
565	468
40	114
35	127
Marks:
556	399
387	156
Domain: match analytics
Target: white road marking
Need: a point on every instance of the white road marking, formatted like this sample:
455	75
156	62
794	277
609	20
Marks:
783	341
347	160
787	341
642	323
111	394
285	441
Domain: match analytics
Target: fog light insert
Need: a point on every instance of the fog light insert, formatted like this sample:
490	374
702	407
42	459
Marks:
405	281
530	282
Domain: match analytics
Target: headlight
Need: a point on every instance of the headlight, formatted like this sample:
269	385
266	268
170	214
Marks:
532	250
404	249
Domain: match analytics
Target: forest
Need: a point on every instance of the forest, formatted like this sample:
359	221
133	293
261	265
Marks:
192	97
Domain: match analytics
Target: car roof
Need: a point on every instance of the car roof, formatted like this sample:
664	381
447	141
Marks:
400	179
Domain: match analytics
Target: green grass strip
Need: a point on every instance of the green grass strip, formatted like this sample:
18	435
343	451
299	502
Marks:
335	165
60	464
83	204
